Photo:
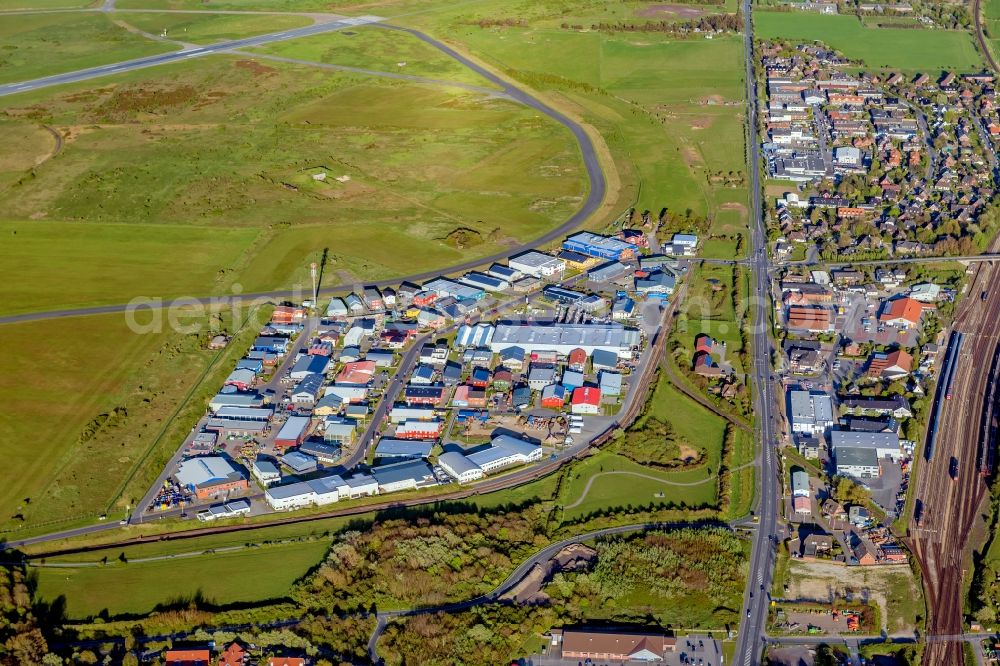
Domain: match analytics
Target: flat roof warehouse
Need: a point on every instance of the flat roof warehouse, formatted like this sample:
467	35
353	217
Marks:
564	338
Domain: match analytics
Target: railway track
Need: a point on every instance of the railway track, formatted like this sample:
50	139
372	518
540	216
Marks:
950	488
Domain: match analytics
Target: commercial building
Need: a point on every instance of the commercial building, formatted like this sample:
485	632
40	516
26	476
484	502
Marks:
407	475
537	264
856	462
445	287
266	472
603	645
459	467
505	451
564	338
811	413
586	400
307	365
884	444
600	247
403	449
319	492
322	451
478	335
210	476
293	432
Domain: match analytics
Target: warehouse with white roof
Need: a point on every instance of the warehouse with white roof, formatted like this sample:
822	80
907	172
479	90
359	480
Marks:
564	338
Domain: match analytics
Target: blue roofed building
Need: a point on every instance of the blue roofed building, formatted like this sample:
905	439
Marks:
600	247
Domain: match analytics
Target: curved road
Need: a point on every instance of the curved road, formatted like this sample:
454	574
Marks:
596	190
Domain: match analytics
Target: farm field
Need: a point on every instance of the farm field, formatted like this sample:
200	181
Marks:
80	40
138	587
154	148
370	47
208	28
49	265
898	48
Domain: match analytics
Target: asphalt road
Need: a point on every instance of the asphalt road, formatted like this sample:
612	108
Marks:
178	56
751	639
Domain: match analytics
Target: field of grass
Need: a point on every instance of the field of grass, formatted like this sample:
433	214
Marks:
670	108
17	5
377	49
898	48
58	376
612	491
209	28
49	265
233	143
42	44
91	396
138	587
991	24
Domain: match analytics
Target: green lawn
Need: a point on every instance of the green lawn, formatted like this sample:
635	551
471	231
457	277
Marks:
209	28
39	45
898	48
49	265
377	49
612	491
242	576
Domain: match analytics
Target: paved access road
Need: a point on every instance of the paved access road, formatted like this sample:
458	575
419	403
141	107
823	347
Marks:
750	641
184	54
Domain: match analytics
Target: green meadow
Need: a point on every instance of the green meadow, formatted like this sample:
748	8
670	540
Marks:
138	587
79	40
897	48
48	264
208	28
375	48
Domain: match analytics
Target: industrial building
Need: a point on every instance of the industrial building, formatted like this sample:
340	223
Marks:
600	247
537	264
811	413
564	338
210	476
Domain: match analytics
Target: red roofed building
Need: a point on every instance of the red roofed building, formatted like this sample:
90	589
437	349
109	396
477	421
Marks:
187	658
891	365
586	400
234	655
703	343
904	312
577	359
286	314
357	372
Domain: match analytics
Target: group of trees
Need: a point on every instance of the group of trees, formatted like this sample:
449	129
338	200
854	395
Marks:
655	443
21	639
710	23
685	577
426	560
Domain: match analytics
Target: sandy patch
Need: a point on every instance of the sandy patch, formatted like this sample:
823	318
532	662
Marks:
734	205
670	11
823	581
